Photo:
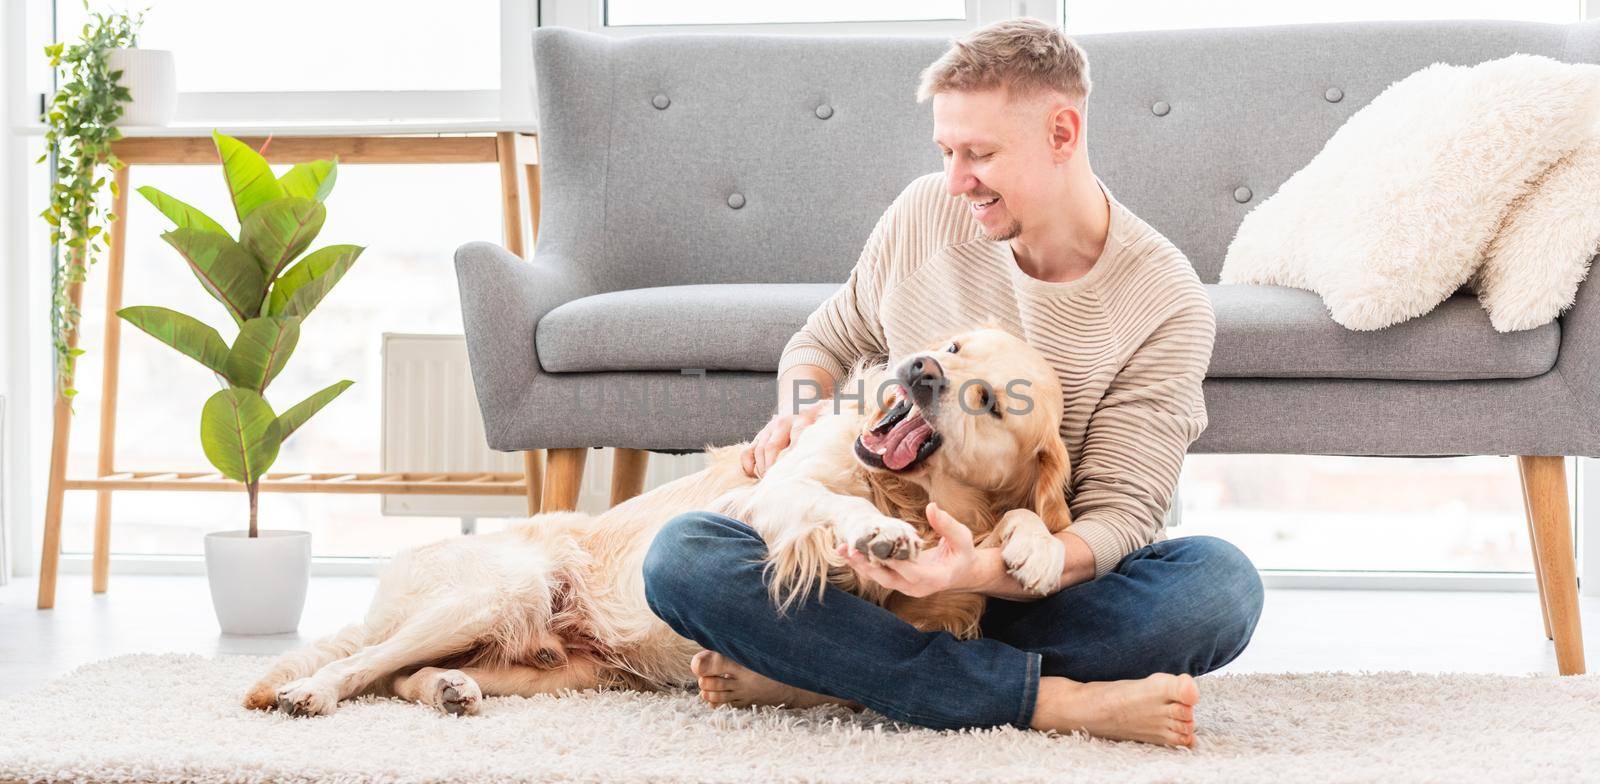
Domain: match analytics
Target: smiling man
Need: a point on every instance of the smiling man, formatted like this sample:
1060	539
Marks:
1019	229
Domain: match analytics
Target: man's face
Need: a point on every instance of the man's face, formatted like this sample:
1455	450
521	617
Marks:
998	154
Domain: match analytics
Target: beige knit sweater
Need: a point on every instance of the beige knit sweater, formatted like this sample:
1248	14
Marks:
1130	340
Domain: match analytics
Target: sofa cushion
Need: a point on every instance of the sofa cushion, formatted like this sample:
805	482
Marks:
1280	332
725	326
1262	332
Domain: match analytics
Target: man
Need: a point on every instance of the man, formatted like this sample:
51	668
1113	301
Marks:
1017	227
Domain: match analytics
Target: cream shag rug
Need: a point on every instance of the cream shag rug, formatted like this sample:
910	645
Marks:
176	717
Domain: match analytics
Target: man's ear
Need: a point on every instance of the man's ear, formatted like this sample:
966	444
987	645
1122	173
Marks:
1066	130
1050	485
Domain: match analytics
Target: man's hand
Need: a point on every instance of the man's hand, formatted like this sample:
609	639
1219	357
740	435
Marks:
951	565
779	432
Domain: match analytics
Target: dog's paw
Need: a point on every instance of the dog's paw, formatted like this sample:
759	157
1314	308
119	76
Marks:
1036	560
307	697
883	537
453	692
262	696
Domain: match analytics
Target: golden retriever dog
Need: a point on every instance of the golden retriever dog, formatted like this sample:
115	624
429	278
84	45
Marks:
557	601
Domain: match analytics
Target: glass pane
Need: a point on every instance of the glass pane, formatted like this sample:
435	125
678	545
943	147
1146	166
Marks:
294	45
622	13
1365	513
1105	16
411	218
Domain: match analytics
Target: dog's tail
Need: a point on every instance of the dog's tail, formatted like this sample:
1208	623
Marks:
305	661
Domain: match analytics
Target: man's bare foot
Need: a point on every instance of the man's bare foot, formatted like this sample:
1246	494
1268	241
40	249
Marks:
725	682
1158	709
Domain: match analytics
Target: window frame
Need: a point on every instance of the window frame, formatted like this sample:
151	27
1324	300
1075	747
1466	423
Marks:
589	14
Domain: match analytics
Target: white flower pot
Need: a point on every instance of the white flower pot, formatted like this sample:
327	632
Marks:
152	82
258	586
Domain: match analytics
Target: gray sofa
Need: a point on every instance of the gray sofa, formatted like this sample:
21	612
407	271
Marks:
703	194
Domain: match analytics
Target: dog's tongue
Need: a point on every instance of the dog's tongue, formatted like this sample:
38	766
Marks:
901	443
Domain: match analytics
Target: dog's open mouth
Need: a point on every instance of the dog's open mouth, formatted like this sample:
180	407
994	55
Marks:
900	439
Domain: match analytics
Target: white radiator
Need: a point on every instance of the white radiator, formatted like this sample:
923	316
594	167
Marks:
430	422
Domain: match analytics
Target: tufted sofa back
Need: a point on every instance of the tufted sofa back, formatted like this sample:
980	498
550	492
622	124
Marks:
686	159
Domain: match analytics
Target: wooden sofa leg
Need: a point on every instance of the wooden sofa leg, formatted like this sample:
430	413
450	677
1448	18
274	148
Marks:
1545	480
563	478
533	474
627	473
1538	568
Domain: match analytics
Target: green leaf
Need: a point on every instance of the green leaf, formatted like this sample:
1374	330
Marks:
304	285
280	230
184	333
261	350
312	180
250	179
239	434
228	271
182	215
303	410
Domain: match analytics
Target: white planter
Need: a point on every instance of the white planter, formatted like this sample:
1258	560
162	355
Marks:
152	82
258	586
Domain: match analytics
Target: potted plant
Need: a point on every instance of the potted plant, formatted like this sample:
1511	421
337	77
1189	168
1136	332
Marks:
80	125
258	578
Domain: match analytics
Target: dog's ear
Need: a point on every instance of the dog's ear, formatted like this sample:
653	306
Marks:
1053	472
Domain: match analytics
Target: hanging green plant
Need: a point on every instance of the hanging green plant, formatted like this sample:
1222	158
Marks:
80	127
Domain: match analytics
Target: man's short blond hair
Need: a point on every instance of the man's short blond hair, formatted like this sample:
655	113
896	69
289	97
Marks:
1025	56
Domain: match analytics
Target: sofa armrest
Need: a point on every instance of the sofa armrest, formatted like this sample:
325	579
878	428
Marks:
1578	359
502	299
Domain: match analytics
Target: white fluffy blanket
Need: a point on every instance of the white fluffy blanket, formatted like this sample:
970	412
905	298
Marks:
1486	175
176	717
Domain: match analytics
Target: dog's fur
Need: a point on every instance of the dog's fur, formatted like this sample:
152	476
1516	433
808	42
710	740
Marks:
557	602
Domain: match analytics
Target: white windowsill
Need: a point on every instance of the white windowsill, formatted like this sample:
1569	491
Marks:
343	128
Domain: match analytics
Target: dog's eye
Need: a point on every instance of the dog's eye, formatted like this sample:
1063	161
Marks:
954	347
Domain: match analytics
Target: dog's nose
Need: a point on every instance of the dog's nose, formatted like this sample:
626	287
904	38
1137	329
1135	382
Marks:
924	378
924	370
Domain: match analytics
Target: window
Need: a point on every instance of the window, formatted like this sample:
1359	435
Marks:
1346	513
301	62
1287	512
411	218
1305	512
315	45
309	61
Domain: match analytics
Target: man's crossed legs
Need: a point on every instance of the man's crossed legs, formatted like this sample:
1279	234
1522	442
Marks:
1112	656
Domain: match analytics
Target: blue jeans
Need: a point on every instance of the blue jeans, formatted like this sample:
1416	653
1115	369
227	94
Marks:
1187	604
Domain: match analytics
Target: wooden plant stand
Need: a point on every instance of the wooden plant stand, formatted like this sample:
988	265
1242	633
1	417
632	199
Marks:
363	145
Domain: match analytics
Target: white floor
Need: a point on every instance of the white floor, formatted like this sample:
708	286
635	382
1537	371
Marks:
1300	630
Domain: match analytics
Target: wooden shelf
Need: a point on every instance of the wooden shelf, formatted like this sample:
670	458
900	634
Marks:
392	483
